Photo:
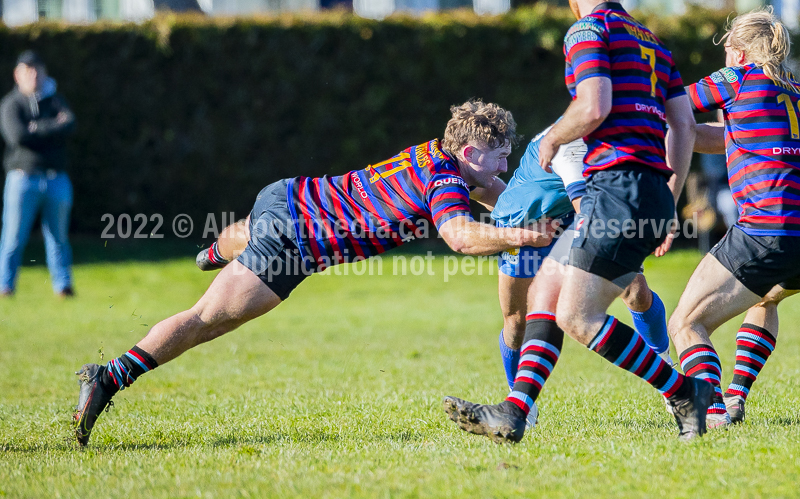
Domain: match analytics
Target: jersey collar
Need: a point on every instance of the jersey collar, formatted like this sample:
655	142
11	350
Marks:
609	6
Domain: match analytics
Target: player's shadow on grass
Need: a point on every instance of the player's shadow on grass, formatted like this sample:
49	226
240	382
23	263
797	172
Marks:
313	437
317	437
294	437
68	445
782	421
652	424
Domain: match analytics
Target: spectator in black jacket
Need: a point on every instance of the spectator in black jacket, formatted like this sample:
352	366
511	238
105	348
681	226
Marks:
35	122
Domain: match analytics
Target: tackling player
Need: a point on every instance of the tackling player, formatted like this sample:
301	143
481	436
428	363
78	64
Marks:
625	87
532	195
757	260
301	225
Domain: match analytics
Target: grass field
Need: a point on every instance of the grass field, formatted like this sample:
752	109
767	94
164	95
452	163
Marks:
338	393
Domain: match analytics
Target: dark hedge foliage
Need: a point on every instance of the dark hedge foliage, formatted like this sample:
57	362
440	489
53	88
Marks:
186	114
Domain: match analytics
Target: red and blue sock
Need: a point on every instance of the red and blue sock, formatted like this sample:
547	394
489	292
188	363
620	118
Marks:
121	372
754	345
624	347
702	362
538	356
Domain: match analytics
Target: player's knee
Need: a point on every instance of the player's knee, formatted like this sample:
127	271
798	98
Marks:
677	325
514	331
626	295
514	320
637	296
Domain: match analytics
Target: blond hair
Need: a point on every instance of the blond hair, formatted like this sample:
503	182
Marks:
766	43
475	121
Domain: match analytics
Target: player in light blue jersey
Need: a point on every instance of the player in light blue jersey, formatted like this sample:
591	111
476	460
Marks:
529	304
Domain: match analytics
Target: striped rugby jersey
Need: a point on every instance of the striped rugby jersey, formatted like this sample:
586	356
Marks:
762	143
366	212
609	43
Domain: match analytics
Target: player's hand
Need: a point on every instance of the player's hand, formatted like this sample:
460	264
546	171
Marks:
667	244
540	234
547	151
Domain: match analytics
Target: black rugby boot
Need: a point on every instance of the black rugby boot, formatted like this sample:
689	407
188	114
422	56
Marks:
92	400
503	423
690	412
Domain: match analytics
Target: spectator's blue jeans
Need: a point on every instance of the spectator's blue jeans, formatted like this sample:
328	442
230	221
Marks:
24	197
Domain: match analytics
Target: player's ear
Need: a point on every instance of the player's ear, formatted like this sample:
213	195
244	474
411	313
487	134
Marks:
467	152
742	58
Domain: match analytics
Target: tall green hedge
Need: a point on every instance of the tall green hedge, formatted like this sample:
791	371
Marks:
193	115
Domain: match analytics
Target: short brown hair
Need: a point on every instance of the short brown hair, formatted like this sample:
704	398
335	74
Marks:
479	122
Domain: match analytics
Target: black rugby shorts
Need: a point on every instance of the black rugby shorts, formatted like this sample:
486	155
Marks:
272	253
625	215
760	262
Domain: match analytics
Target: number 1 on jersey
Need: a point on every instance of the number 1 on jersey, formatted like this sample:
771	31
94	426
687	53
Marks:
398	163
790	110
650	55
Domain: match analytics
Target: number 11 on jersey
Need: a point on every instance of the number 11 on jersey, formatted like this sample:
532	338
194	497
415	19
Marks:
786	100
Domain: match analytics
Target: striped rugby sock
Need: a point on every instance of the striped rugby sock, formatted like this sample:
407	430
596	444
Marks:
702	362
619	344
753	347
538	357
215	256
125	369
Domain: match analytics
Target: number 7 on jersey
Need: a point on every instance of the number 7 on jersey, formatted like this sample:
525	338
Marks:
650	55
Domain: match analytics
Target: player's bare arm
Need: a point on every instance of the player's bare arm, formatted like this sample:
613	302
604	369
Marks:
710	138
469	237
591	106
679	144
680	141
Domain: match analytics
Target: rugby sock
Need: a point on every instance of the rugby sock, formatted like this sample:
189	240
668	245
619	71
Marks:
652	325
124	370
215	257
619	344
538	357
510	358
702	362
753	347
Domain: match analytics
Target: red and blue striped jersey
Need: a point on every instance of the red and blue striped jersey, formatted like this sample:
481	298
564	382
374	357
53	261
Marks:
609	43
366	212
762	143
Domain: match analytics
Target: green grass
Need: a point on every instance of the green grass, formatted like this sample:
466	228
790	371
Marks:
338	393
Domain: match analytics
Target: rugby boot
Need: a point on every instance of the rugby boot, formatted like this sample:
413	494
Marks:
735	406
690	412
207	261
717	421
503	423
92	400
532	418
